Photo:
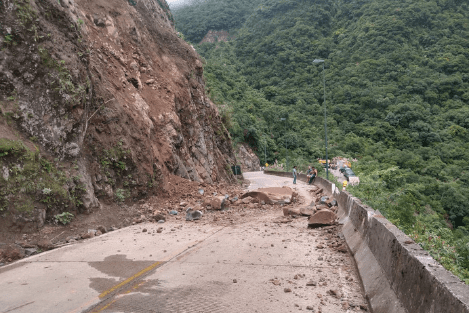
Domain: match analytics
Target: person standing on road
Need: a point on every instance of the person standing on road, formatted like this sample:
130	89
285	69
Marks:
314	173
344	185
308	172
294	174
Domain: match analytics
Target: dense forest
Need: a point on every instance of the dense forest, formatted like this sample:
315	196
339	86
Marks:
203	15
397	95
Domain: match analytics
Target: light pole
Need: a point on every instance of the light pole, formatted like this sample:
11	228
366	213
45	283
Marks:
325	114
286	146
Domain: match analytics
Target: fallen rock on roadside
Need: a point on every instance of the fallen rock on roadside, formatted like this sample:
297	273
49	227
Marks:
260	196
273	195
323	217
193	215
291	212
307	211
215	203
11	252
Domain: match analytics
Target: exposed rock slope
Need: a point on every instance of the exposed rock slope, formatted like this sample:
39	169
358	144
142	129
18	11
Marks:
111	97
247	158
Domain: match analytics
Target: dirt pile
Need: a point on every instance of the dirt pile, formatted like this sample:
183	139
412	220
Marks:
180	196
108	100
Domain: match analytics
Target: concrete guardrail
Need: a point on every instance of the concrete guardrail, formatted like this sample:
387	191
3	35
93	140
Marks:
398	276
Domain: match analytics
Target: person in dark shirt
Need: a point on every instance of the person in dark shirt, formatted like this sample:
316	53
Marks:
314	173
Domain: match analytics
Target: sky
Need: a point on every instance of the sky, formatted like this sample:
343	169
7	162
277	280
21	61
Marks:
175	3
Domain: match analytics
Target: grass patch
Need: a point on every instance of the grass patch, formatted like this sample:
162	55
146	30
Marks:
28	180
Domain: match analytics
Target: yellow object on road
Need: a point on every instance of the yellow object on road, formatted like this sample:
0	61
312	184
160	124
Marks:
344	184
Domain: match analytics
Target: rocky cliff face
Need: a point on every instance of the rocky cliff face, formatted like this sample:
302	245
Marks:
107	94
248	160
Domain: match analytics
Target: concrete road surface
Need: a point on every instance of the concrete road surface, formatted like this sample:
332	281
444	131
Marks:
258	266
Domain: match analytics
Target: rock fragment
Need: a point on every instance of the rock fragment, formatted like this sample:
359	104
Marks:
193	215
307	211
323	217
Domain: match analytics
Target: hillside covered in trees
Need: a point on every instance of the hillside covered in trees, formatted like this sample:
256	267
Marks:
397	97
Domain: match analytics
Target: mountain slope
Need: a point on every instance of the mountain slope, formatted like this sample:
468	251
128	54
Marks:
100	101
199	17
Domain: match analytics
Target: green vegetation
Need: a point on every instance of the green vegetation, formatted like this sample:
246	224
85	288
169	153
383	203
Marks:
63	218
115	159
196	20
25	12
397	81
63	78
118	168
121	194
28	179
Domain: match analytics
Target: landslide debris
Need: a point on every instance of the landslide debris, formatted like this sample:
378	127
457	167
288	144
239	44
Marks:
108	102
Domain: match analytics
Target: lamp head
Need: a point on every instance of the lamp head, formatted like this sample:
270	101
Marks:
318	61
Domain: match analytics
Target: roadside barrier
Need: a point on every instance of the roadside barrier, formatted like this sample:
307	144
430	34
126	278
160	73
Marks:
398	276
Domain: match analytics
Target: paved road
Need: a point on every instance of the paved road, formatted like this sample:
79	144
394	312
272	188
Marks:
258	266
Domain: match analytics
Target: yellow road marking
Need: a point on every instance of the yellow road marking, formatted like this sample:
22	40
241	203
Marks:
128	280
155	265
105	307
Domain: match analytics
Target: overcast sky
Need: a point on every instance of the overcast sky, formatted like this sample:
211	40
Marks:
175	3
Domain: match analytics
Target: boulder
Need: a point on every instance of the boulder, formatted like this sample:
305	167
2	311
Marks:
307	211
322	207
159	217
260	196
45	244
215	203
252	205
275	195
291	212
193	215
11	252
102	229
323	217
248	200
87	235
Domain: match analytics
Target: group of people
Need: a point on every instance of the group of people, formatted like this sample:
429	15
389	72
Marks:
311	173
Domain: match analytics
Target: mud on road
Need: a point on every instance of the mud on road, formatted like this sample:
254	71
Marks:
238	260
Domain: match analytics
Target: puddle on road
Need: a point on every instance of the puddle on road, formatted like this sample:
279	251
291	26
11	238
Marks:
117	266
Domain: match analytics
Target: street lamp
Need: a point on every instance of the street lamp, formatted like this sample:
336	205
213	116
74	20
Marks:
325	114
286	147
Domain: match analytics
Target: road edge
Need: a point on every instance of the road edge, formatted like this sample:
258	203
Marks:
397	274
